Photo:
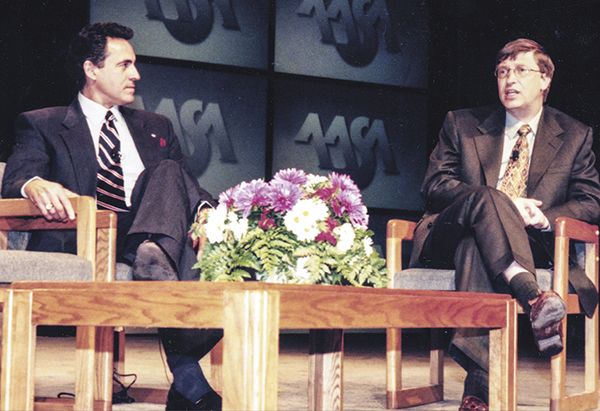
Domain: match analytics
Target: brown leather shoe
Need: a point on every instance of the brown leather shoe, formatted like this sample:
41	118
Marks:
547	312
472	403
152	264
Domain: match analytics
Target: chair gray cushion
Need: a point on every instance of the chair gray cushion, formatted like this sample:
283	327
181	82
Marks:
17	265
124	272
443	280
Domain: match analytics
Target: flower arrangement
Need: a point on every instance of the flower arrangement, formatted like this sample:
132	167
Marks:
298	228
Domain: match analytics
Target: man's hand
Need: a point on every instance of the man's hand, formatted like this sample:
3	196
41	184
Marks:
52	199
531	213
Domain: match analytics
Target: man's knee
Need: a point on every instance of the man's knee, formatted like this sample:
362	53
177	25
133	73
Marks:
168	167
485	196
486	193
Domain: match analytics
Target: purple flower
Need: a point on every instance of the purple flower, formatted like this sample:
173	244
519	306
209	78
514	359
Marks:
254	193
344	183
291	175
227	197
284	195
359	217
350	202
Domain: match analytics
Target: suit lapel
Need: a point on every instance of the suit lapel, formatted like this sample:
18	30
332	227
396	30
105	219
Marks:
489	146
137	129
545	148
80	145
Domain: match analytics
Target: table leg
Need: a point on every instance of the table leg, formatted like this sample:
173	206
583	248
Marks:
18	352
503	363
326	352
250	350
94	370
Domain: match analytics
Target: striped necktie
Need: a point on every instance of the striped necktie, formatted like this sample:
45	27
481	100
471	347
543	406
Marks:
514	181
110	194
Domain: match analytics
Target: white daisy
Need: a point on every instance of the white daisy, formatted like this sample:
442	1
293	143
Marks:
303	217
345	233
215	225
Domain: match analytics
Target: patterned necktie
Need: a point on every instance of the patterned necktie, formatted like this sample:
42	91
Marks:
514	181
110	193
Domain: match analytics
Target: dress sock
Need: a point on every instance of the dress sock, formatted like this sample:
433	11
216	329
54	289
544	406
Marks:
525	288
476	383
189	380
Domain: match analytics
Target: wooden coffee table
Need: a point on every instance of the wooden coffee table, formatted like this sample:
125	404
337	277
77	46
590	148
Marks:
251	315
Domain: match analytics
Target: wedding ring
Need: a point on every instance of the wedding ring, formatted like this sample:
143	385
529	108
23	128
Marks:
49	206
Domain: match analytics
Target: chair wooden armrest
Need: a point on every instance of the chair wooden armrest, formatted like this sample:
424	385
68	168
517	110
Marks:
397	232
567	230
96	230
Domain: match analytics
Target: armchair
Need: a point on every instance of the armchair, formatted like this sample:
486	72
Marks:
95	261
567	230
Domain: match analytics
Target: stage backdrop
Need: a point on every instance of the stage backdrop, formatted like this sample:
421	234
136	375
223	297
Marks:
255	86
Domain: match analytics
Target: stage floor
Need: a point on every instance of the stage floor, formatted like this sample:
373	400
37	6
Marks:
364	371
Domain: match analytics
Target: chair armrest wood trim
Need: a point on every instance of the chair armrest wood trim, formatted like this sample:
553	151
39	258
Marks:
397	232
576	230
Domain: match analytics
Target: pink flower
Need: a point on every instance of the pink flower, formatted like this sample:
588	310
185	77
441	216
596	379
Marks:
291	175
326	236
325	193
284	195
332	223
265	222
254	193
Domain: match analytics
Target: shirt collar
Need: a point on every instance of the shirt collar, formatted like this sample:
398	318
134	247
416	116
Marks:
512	125
96	112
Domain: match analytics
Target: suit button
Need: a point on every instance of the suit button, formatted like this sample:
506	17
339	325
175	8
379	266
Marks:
429	224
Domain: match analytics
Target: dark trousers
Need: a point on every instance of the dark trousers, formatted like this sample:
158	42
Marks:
164	201
479	235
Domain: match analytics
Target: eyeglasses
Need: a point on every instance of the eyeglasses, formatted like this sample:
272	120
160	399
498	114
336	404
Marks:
520	71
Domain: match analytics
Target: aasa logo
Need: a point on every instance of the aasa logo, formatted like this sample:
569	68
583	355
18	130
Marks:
353	27
195	18
358	144
197	125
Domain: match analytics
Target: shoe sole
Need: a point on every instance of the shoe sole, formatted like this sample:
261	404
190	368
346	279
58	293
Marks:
549	347
551	316
554	311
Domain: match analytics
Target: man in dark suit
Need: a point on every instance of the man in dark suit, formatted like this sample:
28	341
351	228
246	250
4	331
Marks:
63	152
492	197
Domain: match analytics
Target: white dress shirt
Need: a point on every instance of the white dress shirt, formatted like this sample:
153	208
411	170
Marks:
130	159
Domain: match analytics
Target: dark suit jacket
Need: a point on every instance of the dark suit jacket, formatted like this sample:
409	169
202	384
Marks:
55	144
562	173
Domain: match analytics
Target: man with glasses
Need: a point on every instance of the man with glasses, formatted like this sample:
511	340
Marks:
496	182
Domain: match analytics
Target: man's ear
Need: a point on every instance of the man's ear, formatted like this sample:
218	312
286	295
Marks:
546	82
89	69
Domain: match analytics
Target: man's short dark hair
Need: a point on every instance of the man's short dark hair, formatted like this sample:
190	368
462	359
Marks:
511	49
543	60
90	44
